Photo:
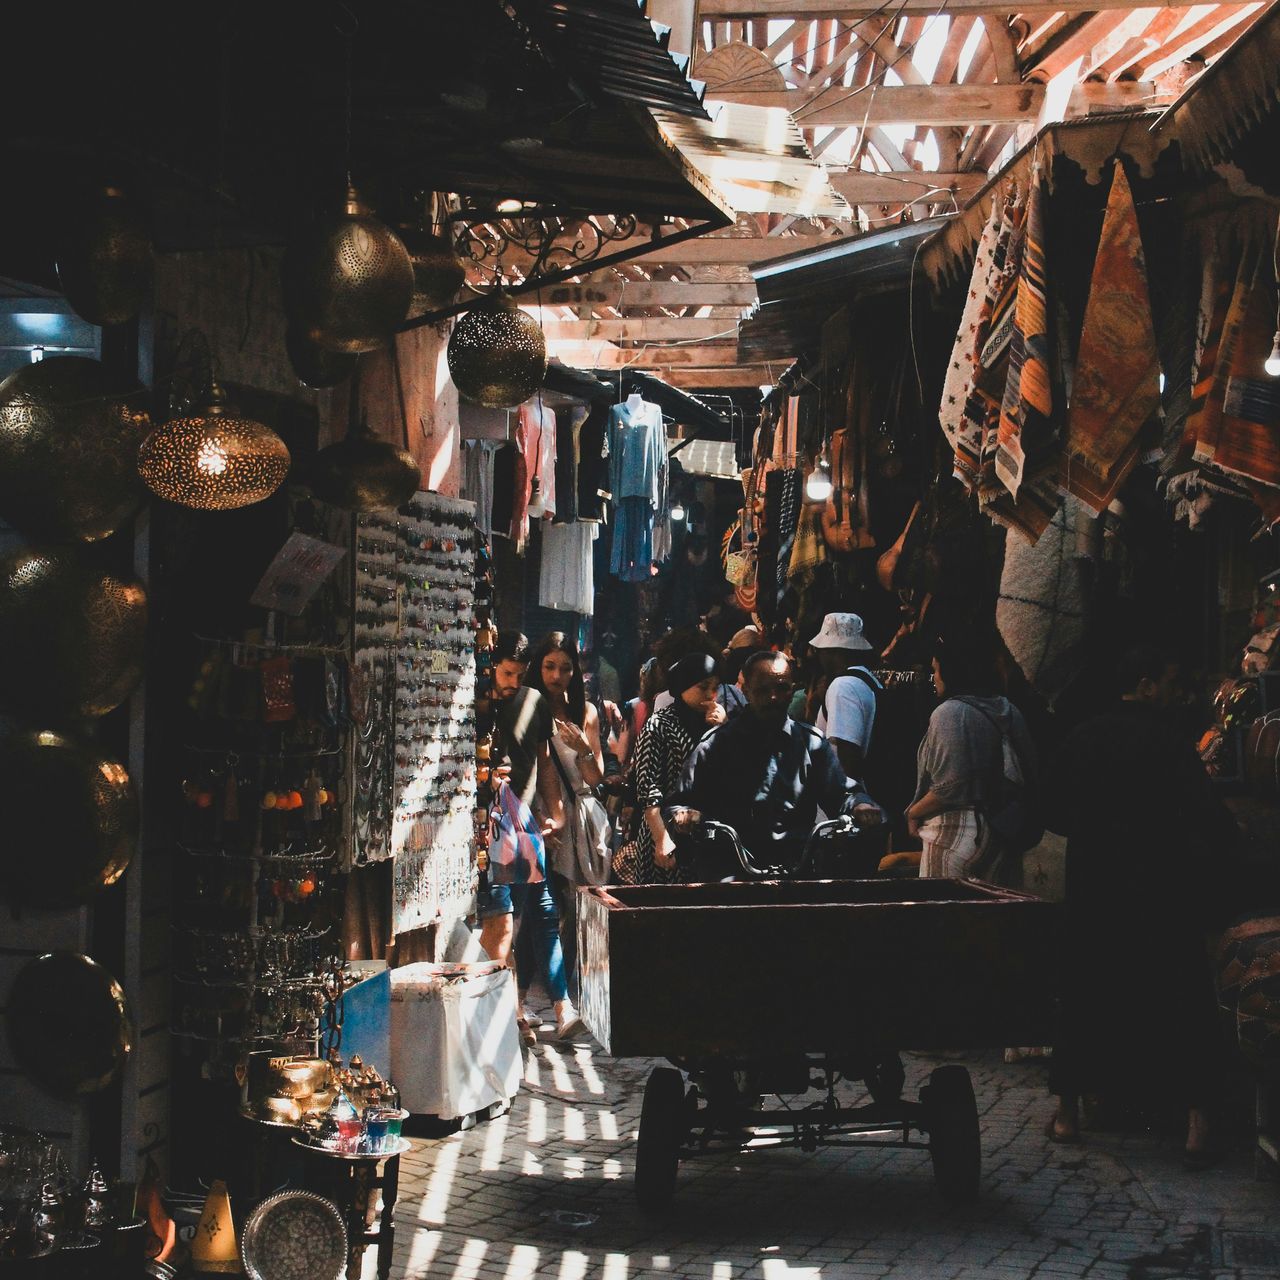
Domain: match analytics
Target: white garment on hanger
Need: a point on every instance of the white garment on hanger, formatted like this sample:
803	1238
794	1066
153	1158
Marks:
566	578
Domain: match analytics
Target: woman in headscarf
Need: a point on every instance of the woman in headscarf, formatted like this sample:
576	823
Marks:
665	742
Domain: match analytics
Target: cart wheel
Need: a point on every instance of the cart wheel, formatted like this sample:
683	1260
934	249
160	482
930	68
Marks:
951	1114
662	1128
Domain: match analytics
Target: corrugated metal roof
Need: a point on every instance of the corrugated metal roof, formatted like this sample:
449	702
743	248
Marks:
612	47
758	159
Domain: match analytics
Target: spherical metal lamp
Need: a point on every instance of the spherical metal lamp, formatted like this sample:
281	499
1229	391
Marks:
363	473
438	271
72	637
213	460
106	260
348	281
73	819
315	366
497	354
69	1024
69	435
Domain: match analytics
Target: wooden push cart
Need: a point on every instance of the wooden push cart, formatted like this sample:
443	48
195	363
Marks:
769	988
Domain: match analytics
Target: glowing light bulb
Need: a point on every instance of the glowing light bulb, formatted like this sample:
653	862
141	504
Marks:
817	488
211	458
1272	365
678	512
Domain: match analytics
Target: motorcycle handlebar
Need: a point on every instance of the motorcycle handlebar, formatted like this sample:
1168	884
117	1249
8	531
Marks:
832	826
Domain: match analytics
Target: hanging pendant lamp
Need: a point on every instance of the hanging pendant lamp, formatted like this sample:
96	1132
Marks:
315	366
106	261
438	271
348	280
213	460
497	354
364	474
69	435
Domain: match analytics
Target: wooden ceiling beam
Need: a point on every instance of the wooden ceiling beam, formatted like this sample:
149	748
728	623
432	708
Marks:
950	104
658	294
708	249
640	329
809	9
604	355
730	379
859	186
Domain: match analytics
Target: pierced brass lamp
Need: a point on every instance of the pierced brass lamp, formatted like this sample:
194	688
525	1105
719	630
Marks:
497	354
213	460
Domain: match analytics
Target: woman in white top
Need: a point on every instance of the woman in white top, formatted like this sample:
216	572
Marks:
580	853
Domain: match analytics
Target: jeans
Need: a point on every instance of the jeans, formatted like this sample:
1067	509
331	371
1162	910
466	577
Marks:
538	939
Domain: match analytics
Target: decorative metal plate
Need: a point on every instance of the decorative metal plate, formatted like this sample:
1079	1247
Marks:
296	1235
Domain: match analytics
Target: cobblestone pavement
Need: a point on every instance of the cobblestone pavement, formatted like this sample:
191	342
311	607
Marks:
546	1190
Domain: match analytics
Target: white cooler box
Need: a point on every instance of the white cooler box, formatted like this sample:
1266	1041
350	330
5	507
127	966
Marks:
454	1045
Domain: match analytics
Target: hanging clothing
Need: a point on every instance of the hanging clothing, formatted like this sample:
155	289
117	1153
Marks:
504	490
632	557
568	427
566	578
593	463
477	482
535	440
637	448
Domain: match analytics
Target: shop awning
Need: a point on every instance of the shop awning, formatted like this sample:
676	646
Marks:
798	292
1220	112
757	158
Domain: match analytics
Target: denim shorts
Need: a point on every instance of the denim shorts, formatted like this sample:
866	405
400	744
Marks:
494	901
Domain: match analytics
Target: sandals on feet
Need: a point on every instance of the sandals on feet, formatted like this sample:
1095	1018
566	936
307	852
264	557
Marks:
1063	1137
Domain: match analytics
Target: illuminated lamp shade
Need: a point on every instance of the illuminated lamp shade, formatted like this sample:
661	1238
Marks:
76	806
213	460
364	474
84	1047
69	435
497	354
348	281
214	1250
72	637
106	260
438	271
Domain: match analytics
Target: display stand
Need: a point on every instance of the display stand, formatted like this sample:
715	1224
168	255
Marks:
351	1182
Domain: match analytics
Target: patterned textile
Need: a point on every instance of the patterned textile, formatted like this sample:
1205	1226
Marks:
788	523
1030	514
809	550
1040	612
664	746
952	842
1206	421
958	384
1028	398
1116	389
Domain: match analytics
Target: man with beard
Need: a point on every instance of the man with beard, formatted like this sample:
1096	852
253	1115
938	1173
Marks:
765	775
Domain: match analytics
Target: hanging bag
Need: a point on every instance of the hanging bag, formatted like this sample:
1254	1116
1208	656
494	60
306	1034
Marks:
583	853
516	853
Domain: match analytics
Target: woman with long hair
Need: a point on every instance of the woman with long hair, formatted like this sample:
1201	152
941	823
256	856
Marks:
961	760
579	855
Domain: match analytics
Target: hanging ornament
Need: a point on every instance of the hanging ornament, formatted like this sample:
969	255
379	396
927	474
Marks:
106	260
69	434
438	271
84	1047
348	281
363	473
316	367
213	460
497	354
72	819
71	636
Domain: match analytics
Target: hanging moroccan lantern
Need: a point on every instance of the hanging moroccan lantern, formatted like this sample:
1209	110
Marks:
71	636
69	435
315	366
213	460
83	1048
497	354
438	271
363	473
106	259
348	281
72	817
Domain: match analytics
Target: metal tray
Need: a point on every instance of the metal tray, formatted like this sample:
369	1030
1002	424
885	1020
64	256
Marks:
296	1235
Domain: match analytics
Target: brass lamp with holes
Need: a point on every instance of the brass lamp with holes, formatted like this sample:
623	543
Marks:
209	457
497	354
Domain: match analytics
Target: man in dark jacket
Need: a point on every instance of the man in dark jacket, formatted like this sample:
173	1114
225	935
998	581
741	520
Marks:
1148	862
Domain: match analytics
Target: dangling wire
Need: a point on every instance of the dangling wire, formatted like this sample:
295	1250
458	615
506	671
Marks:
348	32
